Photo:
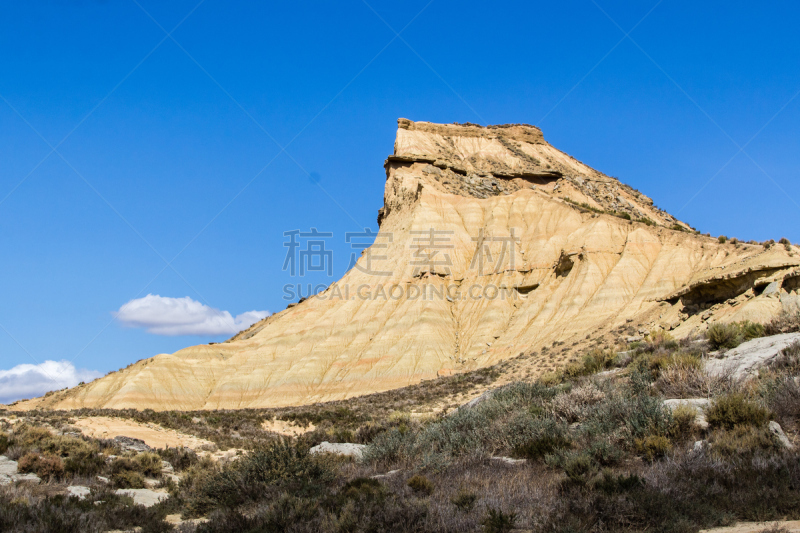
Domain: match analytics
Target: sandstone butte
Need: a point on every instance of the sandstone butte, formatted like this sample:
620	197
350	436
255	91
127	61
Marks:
573	252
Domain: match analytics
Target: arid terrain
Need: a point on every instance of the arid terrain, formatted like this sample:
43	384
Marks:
637	376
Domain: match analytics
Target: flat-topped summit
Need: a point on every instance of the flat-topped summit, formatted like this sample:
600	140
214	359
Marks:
492	244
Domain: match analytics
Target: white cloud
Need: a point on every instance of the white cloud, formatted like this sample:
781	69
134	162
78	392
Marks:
183	316
30	381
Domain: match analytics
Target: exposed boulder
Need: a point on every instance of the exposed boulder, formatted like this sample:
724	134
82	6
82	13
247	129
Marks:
745	360
339	448
129	444
776	430
10	474
78	491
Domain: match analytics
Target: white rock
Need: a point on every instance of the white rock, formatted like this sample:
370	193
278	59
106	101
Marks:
509	460
698	446
78	491
744	361
776	430
339	448
7	466
9	473
32	478
145	497
390	473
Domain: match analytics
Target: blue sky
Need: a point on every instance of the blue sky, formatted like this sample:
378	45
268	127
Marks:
171	179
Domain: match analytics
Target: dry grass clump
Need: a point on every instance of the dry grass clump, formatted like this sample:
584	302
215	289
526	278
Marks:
46	466
783	323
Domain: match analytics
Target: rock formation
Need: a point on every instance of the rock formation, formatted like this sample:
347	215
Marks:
492	244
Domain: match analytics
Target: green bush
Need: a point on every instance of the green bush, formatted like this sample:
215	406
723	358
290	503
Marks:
543	444
729	336
611	483
363	488
4	443
683	422
734	410
421	485
275	464
496	521
653	447
127	479
579	468
148	463
742	441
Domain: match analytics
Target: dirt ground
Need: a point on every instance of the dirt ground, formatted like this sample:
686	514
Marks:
103	427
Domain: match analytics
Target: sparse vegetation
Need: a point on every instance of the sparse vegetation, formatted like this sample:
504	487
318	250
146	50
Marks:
599	449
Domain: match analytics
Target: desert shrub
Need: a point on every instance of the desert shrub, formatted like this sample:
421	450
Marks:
278	463
84	463
572	405
28	436
179	458
547	436
148	463
660	339
363	488
420	484
127	479
4	443
653	447
722	239
579	468
464	500
784	401
683	422
729	336
783	323
48	467
742	441
733	410
605	453
612	483
496	521
788	361
690	382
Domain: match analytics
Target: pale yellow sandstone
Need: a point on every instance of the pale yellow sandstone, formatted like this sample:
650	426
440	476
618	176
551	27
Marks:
572	272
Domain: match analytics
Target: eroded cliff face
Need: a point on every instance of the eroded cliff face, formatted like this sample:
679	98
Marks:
492	243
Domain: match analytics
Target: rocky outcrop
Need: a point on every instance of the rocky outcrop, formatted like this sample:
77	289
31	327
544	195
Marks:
9	473
339	448
745	360
492	244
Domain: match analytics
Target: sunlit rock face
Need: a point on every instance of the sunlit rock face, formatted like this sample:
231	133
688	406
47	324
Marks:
492	243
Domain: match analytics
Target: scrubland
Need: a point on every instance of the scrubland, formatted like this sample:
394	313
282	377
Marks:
590	448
